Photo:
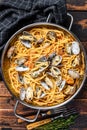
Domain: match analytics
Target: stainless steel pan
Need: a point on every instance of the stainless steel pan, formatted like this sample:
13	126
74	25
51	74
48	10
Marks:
4	53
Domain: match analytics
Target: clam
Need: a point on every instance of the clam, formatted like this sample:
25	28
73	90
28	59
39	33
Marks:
26	39
40	40
26	43
22	79
29	93
50	74
75	48
20	61
39	70
68	48
56	60
46	44
42	59
62	85
35	74
70	90
51	56
22	68
55	71
76	61
58	80
51	35
40	94
45	85
10	51
27	36
49	82
22	93
74	74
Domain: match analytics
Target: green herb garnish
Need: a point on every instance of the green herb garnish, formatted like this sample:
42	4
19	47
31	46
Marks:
58	124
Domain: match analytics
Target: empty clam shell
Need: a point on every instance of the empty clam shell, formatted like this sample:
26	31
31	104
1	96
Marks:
74	74
29	93
49	82
21	68
21	79
55	71
51	56
50	74
75	47
51	35
58	81
35	74
40	40
45	85
22	93
76	61
42	59
56	60
46	44
62	85
27	36
70	90
20	61
42	95
26	43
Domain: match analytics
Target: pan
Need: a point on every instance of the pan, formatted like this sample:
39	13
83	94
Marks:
42	24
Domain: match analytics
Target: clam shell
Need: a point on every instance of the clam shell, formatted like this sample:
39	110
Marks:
29	93
49	82
22	93
62	85
56	60
45	85
58	81
70	90
74	74
55	71
21	68
26	43
75	48
51	35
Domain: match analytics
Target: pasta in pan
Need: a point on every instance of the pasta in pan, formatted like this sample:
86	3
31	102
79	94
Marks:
45	66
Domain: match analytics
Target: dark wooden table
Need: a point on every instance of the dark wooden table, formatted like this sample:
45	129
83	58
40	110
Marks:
7	118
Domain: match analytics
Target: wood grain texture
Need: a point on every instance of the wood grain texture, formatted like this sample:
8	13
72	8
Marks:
77	5
7	118
79	27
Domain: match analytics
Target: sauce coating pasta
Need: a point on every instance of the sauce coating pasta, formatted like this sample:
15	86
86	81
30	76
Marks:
45	66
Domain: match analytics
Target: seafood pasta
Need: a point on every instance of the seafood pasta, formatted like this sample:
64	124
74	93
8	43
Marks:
44	66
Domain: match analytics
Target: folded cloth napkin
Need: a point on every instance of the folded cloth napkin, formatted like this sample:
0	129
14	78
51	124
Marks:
15	14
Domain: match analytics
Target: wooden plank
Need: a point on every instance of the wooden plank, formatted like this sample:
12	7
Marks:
79	27
14	128
3	90
78	5
80	122
81	104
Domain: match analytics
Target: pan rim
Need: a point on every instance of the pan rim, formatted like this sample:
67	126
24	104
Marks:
42	24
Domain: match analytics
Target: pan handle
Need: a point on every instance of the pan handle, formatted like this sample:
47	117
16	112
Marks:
71	20
23	118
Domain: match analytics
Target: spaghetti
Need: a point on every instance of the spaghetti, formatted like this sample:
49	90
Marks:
44	82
